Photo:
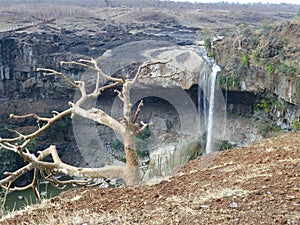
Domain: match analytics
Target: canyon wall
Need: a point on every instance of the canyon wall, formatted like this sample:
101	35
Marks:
255	92
264	62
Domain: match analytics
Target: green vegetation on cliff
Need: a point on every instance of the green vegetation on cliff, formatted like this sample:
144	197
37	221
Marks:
263	58
265	61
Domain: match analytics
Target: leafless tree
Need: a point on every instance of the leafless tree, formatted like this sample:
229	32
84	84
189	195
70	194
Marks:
127	128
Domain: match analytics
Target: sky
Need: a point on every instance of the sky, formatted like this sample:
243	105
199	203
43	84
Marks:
245	1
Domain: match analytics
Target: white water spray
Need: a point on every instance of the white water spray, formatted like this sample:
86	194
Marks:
209	141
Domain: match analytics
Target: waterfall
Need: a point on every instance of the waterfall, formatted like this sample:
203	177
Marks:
205	103
211	106
212	82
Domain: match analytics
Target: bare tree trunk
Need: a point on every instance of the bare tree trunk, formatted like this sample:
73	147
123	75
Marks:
130	150
132	162
127	128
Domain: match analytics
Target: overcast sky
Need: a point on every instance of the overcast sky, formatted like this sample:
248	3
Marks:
245	1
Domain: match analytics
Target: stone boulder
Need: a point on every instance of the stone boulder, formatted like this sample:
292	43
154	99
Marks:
182	61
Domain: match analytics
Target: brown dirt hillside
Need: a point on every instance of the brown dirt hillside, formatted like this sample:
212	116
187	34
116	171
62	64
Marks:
259	184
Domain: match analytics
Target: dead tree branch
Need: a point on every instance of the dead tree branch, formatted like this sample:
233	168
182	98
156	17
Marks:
126	127
138	111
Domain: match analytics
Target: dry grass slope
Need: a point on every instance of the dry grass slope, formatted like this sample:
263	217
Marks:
259	184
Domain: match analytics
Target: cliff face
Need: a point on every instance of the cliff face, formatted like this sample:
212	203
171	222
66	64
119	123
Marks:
20	56
44	46
252	82
23	90
265	62
258	70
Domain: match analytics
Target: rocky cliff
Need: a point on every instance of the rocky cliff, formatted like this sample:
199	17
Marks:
265	62
24	90
113	34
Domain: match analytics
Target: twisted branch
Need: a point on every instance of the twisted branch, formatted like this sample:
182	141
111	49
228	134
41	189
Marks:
50	72
138	111
127	128
95	67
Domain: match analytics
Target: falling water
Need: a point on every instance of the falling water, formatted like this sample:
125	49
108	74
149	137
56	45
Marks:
205	91
212	79
211	106
202	105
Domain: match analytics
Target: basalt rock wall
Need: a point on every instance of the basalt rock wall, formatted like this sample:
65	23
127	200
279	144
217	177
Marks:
264	62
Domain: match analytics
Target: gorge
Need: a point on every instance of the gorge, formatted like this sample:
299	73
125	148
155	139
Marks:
23	90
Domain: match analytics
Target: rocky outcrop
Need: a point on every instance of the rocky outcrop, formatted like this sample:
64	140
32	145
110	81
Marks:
47	44
265	62
24	90
120	49
179	66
